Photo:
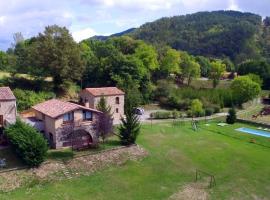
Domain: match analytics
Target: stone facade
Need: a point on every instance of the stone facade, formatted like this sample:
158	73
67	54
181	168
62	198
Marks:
59	134
116	102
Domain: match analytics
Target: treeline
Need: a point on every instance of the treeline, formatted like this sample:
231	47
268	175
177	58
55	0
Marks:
116	61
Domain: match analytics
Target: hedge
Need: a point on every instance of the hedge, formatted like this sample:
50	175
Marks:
27	142
165	115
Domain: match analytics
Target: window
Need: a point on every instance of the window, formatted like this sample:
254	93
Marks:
87	115
116	110
117	101
68	117
51	137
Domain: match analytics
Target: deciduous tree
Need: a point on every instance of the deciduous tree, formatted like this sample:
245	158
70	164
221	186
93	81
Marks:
57	55
217	70
244	89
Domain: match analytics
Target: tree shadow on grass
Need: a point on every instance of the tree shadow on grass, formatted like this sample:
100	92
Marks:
11	159
65	155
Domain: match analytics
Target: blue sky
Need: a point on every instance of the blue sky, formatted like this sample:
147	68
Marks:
86	18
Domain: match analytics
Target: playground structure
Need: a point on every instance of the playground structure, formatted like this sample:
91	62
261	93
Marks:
264	112
194	125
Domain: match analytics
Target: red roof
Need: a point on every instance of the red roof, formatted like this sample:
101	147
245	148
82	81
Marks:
6	94
105	91
55	108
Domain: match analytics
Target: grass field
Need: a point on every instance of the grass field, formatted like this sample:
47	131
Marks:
241	168
4	74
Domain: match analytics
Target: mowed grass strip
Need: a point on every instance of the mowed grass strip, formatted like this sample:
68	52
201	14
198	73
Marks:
241	168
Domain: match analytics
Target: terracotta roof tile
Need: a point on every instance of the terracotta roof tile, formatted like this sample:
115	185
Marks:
6	94
55	108
106	91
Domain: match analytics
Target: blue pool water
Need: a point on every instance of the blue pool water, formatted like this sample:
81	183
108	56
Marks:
254	132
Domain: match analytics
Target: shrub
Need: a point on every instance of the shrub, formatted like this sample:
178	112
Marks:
69	89
179	98
196	108
161	115
256	78
216	108
164	89
209	111
27	98
231	118
244	89
27	142
175	114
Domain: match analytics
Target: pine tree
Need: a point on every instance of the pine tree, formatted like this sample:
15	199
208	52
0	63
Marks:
130	126
231	118
129	129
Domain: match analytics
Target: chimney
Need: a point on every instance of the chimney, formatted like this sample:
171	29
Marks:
86	103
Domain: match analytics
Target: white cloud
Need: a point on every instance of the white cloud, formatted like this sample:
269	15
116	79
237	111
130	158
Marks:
152	5
233	5
104	16
83	34
2	20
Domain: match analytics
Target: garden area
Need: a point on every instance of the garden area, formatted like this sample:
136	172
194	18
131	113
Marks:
238	161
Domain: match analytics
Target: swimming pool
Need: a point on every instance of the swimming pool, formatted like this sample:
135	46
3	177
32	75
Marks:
254	132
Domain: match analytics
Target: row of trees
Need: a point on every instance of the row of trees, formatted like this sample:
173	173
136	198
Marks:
55	54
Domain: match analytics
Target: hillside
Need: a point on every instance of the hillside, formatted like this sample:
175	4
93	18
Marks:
219	34
213	34
102	37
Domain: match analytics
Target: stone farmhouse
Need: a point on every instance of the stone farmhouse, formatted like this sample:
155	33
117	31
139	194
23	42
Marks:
65	124
8	107
89	97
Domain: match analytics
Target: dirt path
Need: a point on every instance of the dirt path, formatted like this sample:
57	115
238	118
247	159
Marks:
193	191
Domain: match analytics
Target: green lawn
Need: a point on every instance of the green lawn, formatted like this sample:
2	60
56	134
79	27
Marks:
241	168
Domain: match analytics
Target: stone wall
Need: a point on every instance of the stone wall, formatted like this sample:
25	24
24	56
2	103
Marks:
64	136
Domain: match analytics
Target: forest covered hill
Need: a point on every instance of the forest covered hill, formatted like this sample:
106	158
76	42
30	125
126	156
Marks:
218	34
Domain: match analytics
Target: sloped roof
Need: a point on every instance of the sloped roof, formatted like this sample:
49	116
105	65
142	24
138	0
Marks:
105	91
55	108
6	94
